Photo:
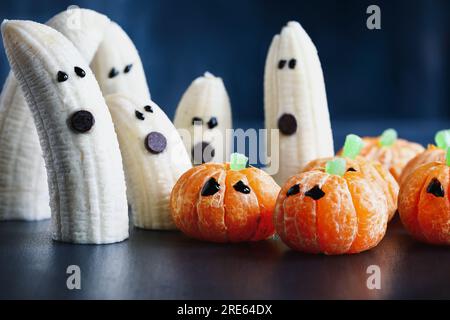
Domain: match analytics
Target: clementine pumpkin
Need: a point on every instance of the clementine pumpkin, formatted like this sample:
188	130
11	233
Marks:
391	152
424	205
224	203
431	154
372	170
336	211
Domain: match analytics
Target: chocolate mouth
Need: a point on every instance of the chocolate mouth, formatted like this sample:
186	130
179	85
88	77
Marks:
287	124
155	142
203	152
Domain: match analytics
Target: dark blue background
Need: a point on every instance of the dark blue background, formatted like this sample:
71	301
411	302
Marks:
400	72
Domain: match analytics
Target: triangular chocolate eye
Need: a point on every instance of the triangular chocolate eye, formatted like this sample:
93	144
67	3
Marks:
241	187
293	190
316	193
113	73
210	188
351	169
435	188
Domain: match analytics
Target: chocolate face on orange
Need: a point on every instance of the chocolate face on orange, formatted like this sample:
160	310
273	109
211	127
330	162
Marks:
351	169
241	187
287	124
435	188
155	142
315	193
211	187
293	190
81	121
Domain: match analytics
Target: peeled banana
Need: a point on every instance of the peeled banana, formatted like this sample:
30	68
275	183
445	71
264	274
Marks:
118	67
204	115
81	152
154	158
295	102
23	178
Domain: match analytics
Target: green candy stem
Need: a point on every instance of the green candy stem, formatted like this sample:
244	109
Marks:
336	166
352	146
442	139
447	157
388	138
238	161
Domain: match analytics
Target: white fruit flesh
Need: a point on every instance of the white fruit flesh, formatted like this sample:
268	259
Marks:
205	98
300	92
85	174
150	177
23	178
118	51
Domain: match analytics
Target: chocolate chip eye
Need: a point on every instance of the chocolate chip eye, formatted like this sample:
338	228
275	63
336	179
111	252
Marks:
148	109
241	187
197	121
281	64
128	68
316	193
139	115
292	63
155	142
80	72
62	76
82	121
435	188
351	169
113	73
210	188
293	190
212	123
287	124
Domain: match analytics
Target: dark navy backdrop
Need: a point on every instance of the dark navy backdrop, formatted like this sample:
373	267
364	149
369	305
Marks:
399	72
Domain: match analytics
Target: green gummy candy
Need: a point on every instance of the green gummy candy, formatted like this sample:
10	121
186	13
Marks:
336	166
352	146
442	139
447	158
238	161
388	138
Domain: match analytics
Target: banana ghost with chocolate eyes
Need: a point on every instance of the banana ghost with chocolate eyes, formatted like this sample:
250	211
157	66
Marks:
204	112
118	67
154	158
295	102
23	178
81	152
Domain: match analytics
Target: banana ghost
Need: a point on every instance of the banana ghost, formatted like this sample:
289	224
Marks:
204	113
81	152
154	158
118	67
295	102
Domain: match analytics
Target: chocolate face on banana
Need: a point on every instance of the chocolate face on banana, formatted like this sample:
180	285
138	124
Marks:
204	112
118	67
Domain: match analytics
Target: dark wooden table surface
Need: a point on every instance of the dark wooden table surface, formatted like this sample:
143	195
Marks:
167	265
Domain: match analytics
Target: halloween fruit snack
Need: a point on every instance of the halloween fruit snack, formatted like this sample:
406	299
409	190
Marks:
391	152
225	202
371	169
81	152
154	158
295	102
23	178
424	205
432	153
118	67
333	210
204	112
